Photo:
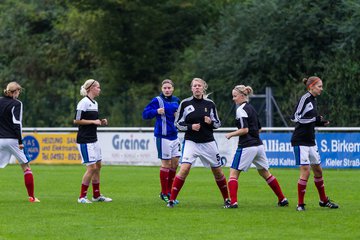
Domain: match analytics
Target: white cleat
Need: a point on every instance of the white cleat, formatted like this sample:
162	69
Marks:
84	200
102	198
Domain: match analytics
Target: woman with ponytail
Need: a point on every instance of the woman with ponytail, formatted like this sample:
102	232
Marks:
306	153
11	110
87	118
250	147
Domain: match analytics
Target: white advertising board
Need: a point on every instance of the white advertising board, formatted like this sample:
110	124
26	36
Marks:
138	148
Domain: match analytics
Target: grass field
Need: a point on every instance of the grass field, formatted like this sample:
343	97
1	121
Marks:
137	212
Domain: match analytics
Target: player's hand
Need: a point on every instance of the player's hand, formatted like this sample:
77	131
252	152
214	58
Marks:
326	123
104	122
21	146
196	127
207	120
97	122
161	111
228	135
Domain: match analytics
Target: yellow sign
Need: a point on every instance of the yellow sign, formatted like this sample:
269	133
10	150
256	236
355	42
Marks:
49	148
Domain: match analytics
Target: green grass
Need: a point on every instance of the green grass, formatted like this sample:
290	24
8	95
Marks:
138	213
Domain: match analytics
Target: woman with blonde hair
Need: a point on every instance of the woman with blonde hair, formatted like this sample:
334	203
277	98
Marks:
250	147
197	117
11	110
87	118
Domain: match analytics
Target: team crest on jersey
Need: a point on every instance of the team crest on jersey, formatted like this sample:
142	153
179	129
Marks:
205	109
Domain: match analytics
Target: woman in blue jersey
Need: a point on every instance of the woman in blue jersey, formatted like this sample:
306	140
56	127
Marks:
163	108
197	117
250	147
306	152
11	110
87	117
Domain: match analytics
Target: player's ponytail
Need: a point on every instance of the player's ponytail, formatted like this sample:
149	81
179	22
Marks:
245	90
86	87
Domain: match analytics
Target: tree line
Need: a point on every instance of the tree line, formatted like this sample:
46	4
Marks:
51	47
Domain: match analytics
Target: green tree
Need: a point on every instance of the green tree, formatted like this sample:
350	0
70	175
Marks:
277	43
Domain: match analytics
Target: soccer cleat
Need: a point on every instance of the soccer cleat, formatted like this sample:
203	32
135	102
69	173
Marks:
328	204
234	205
175	201
227	203
283	203
164	197
170	204
84	200
33	199
300	207
101	198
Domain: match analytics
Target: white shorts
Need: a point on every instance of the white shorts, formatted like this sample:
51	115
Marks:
305	155
208	153
8	147
244	157
168	149
90	152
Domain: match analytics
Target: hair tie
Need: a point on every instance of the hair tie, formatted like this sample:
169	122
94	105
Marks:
313	83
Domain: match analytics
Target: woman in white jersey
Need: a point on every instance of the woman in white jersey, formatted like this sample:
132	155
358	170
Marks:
87	118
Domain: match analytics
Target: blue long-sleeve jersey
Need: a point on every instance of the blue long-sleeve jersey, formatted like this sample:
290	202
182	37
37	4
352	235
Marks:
164	125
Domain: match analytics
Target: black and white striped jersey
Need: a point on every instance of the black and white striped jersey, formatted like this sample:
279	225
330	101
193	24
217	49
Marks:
306	118
87	109
247	117
11	111
192	111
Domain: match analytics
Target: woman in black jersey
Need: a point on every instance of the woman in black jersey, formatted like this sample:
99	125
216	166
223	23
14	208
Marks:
250	147
197	116
306	152
11	110
87	117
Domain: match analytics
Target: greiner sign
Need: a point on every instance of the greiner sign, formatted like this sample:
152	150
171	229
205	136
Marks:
129	143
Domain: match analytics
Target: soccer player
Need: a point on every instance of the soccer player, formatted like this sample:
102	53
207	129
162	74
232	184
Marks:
197	116
87	118
163	108
306	152
250	147
11	110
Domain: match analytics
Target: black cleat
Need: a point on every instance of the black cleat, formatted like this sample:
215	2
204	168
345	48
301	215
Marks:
170	204
227	204
328	204
164	197
300	207
283	203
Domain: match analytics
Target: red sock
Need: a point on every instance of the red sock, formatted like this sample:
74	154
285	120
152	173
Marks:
164	178
301	190
222	185
319	183
176	187
172	173
29	182
83	191
233	189
96	189
273	183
